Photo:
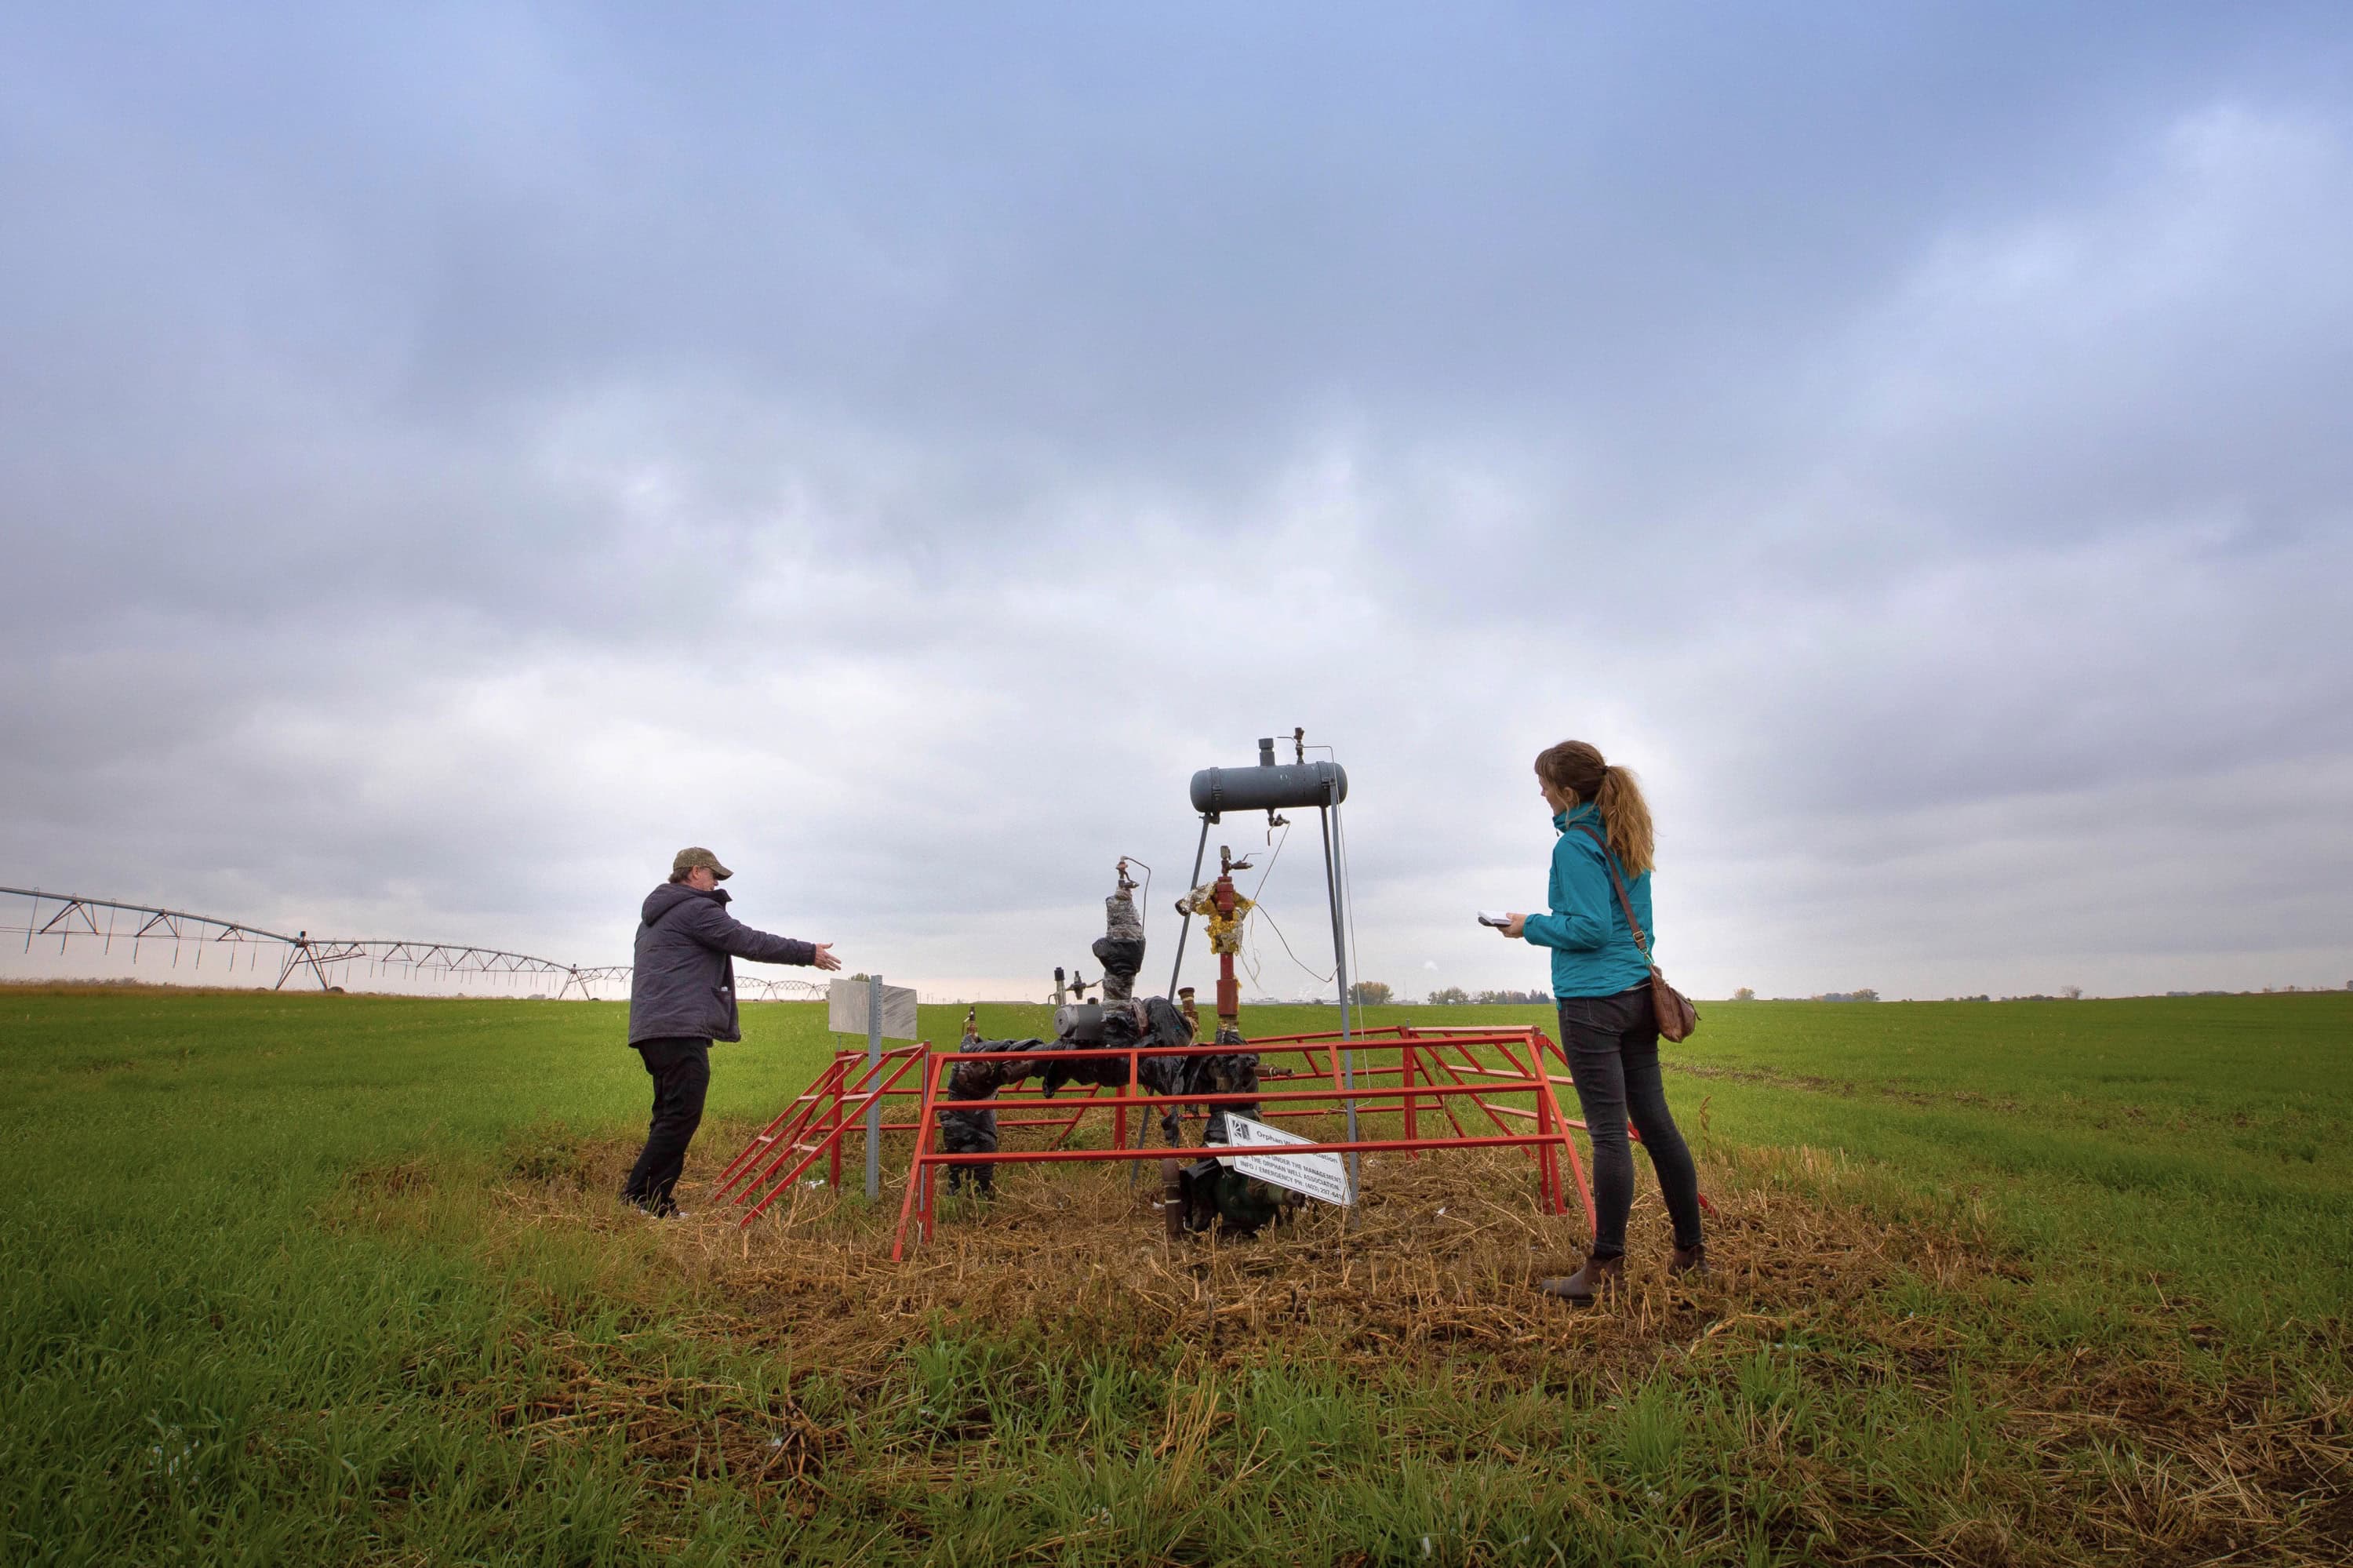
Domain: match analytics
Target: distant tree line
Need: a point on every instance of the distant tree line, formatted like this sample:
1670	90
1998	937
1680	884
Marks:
1380	993
2066	993
1455	996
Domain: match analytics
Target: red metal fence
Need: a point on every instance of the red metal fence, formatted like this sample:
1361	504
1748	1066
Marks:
1439	1082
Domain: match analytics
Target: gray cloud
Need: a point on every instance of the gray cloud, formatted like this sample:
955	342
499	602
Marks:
453	461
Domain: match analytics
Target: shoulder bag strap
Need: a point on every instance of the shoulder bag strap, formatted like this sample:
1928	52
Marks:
1610	860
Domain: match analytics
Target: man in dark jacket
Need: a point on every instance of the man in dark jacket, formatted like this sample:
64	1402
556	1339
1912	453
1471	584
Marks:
681	998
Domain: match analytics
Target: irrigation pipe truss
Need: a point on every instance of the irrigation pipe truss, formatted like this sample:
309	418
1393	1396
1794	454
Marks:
68	919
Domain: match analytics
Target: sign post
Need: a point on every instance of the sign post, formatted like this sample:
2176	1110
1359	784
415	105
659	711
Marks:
874	1106
878	1012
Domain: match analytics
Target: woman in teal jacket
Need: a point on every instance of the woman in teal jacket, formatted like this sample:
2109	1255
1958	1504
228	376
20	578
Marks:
1601	982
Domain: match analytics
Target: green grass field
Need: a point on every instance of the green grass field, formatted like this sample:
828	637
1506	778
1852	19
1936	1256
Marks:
338	1279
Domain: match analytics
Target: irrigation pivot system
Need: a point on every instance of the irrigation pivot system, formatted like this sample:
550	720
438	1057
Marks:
141	929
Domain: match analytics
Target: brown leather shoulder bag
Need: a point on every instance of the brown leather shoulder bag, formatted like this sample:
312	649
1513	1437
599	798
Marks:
1677	1016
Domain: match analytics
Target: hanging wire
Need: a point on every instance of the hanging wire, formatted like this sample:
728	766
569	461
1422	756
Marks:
1271	860
1258	908
1259	893
1261	909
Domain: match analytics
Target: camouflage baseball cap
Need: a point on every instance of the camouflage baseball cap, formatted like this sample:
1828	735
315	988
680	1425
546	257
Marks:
688	859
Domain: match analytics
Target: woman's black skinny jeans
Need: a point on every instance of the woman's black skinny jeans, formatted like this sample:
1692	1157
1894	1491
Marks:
1613	1053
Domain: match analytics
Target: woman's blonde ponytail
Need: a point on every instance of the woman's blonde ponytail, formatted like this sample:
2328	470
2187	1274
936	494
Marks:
1626	817
1576	770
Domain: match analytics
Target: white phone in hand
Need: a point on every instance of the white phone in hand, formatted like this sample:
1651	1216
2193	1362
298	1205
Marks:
1487	917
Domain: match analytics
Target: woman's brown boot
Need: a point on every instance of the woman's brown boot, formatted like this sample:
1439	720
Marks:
1689	1260
1598	1276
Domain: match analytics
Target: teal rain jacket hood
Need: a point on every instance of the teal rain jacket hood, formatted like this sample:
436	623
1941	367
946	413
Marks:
1593	953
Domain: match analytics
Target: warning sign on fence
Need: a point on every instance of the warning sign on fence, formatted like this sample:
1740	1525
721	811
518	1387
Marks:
1320	1175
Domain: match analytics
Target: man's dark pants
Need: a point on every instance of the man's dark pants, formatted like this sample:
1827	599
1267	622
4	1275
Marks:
1613	1053
680	1070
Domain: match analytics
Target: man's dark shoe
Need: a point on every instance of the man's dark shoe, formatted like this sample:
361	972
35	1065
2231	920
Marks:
1598	1277
1690	1260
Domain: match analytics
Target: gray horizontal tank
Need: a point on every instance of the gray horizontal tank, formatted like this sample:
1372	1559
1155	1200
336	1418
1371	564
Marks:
1269	786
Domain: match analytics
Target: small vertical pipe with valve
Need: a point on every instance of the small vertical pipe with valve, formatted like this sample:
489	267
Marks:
1223	908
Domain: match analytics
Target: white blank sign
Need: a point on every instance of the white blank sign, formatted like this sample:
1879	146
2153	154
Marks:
845	1010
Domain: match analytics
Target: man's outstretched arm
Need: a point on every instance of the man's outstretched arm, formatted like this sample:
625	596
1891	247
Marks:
714	927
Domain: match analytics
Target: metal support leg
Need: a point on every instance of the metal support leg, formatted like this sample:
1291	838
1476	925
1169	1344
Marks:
1186	929
874	1106
1340	973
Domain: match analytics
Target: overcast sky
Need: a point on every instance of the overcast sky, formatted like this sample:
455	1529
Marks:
451	458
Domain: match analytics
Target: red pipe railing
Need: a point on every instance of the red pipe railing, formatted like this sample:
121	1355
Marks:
1435	1068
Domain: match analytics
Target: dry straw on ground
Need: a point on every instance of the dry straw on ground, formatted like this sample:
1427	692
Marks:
2129	1448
